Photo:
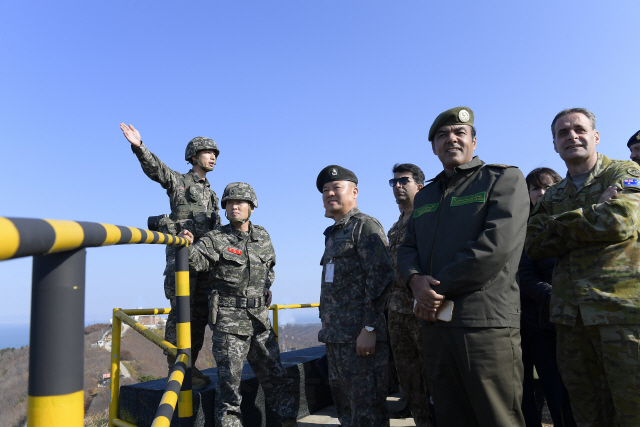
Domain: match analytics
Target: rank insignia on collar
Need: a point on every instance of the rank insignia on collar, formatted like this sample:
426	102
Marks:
234	251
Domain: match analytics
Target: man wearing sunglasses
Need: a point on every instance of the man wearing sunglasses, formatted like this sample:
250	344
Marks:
403	325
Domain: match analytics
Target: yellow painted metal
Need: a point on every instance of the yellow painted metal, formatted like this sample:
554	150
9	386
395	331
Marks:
66	410
169	397
161	422
183	332
115	367
145	311
185	404
120	423
176	376
113	234
10	239
136	235
275	307
69	235
182	283
145	332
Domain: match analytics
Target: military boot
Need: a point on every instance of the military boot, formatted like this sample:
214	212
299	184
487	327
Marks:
291	422
195	372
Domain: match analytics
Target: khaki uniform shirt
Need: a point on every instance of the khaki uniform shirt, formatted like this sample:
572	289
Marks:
597	275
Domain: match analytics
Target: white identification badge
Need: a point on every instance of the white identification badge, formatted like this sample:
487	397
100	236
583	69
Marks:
328	273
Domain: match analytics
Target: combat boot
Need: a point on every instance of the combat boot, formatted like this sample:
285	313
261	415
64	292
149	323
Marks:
291	422
196	383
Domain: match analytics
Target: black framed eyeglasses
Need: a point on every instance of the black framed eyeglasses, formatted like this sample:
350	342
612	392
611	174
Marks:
403	181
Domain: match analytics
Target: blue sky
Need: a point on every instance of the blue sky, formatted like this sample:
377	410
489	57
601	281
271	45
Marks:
285	88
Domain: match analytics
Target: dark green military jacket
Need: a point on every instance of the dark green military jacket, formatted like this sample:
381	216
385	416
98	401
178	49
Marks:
468	232
597	275
240	265
357	248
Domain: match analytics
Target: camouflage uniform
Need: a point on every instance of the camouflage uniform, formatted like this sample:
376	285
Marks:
595	300
406	336
192	204
357	247
241	268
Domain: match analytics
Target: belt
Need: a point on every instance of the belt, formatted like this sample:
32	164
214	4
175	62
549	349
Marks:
240	302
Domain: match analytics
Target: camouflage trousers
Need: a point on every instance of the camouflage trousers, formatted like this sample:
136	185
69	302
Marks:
199	285
405	336
600	366
261	350
359	384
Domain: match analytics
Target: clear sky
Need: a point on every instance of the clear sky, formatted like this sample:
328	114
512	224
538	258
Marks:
285	88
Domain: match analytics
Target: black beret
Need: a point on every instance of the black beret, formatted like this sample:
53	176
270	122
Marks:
635	138
334	173
454	116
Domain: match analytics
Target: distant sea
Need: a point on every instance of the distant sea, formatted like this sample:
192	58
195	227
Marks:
14	335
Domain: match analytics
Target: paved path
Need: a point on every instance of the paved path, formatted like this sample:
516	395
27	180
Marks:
327	417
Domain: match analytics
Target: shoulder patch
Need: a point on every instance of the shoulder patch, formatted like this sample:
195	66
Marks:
631	183
633	172
500	166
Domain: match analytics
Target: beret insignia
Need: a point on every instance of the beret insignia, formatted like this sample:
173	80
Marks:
463	116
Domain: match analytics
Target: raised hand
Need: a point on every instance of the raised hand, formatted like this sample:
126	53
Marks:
132	134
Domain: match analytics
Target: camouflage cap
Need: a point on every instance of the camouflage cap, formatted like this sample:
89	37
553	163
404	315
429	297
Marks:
635	138
454	116
239	191
200	143
334	173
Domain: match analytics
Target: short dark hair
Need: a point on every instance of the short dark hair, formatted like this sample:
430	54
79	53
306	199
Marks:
535	177
416	172
587	113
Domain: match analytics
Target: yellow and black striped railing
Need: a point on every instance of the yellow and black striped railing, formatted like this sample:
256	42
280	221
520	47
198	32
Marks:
56	341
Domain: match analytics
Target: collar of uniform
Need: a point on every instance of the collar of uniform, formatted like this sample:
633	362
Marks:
346	218
241	235
197	178
601	164
399	225
472	164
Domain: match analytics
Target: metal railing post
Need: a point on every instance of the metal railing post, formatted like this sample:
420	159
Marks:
116	328
275	320
183	329
56	341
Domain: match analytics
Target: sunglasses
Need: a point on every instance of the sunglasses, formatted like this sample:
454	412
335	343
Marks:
403	181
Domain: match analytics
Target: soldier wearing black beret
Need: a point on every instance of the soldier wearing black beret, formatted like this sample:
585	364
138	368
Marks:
634	146
356	274
462	247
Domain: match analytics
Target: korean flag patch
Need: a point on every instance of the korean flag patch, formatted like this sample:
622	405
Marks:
632	183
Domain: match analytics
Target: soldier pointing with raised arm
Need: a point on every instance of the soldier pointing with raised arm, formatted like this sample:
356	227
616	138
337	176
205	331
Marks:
239	258
194	207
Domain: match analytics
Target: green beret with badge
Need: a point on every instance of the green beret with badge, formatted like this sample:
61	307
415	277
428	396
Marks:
635	138
334	173
453	116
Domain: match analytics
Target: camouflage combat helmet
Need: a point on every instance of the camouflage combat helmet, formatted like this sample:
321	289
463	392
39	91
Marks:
200	143
239	191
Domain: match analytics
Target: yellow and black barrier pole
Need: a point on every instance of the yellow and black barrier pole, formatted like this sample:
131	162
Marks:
183	329
171	393
56	342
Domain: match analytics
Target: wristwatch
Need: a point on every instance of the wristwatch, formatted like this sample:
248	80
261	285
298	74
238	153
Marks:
370	328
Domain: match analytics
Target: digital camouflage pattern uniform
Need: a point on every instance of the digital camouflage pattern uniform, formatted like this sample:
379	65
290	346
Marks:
595	301
241	268
357	247
192	204
405	336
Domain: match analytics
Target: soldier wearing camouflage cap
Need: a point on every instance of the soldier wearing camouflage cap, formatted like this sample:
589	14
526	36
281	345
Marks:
459	259
239	257
590	221
634	146
356	277
194	206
